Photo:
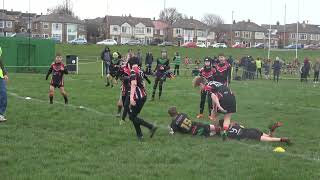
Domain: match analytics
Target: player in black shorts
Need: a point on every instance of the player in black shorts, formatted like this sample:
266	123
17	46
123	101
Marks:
138	97
223	100
237	131
57	69
182	124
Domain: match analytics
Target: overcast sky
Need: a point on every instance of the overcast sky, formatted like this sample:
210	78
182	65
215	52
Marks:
256	10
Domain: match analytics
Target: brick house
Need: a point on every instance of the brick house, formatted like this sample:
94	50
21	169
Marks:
61	27
161	30
189	30
124	28
7	25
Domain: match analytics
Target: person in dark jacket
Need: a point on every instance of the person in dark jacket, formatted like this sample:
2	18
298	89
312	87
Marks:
276	66
304	70
106	58
3	90
148	63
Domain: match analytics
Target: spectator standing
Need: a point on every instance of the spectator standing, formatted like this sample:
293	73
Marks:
3	89
276	66
177	61
259	67
148	63
106	58
304	70
266	67
316	69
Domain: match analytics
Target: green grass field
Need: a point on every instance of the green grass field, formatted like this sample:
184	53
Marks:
42	141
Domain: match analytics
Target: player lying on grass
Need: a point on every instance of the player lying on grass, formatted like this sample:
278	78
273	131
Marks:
237	131
57	69
182	124
223	100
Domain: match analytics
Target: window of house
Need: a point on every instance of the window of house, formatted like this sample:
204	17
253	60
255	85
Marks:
139	30
303	36
148	30
1	24
45	36
56	36
247	35
237	34
115	29
45	25
81	28
57	26
178	31
125	29
9	24
313	37
293	36
35	26
161	32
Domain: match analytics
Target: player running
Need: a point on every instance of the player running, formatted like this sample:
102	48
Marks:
223	70
237	131
182	124
223	100
138	97
161	73
207	72
57	69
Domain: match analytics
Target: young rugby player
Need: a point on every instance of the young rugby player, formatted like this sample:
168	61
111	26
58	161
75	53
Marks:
57	69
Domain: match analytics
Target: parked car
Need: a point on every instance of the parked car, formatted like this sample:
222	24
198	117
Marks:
133	42
239	45
56	40
219	45
78	41
311	46
294	46
166	43
201	45
190	45
109	42
259	46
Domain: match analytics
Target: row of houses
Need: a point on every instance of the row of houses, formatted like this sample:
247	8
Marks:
64	28
60	27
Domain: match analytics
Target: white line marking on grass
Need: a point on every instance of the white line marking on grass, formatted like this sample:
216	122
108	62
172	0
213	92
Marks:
69	105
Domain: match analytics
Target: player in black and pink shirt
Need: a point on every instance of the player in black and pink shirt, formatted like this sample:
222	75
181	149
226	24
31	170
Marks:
57	69
138	97
223	70
223	100
207	72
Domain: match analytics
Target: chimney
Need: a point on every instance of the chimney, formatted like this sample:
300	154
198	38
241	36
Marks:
129	15
191	17
248	20
41	14
11	10
154	18
304	24
278	23
234	22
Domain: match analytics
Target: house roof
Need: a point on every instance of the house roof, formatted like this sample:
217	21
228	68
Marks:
277	27
189	24
58	18
248	26
119	20
6	17
303	28
158	24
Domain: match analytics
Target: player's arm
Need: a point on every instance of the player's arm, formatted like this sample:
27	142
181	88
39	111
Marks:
65	71
49	72
133	88
146	78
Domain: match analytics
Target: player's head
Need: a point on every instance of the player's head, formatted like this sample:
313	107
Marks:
164	54
58	58
199	82
172	111
207	62
221	57
133	62
115	55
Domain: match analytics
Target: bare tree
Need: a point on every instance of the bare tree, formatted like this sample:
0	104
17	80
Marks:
64	8
170	15
216	23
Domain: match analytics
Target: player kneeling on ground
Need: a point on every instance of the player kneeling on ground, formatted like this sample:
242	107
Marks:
223	100
237	131
182	124
57	70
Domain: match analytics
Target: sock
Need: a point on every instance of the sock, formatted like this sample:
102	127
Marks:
225	128
65	99
51	99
